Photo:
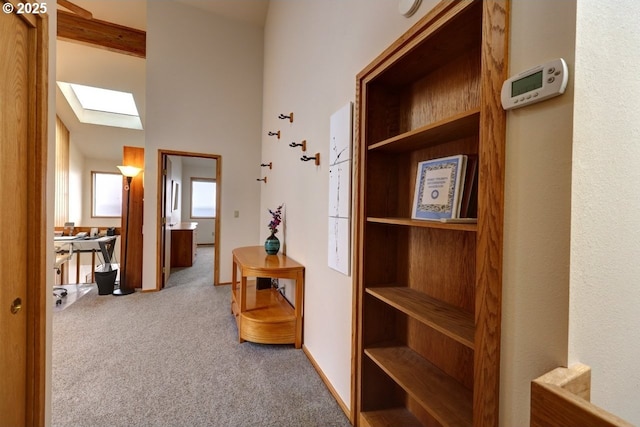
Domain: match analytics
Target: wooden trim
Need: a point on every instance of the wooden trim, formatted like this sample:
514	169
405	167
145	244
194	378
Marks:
216	225
488	310
72	7
561	398
327	383
441	12
102	34
37	228
359	175
159	209
30	18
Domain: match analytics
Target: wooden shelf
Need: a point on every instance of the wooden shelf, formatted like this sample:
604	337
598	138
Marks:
441	396
389	418
266	305
425	224
456	127
429	293
445	318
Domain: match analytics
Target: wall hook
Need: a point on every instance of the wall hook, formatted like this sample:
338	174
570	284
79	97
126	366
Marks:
290	117
302	144
274	134
262	179
316	158
264	165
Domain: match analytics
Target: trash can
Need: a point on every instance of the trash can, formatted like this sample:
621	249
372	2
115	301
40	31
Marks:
106	281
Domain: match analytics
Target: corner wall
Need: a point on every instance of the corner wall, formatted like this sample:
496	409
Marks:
204	86
605	249
535	289
313	51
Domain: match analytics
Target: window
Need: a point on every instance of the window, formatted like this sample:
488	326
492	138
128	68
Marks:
102	106
203	198
106	194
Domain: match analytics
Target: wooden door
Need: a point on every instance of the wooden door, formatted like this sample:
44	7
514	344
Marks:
167	195
23	121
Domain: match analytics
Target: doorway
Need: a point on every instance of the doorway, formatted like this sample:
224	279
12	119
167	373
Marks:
177	173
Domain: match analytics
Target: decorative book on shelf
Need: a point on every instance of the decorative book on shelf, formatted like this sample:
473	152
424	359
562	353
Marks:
439	187
469	198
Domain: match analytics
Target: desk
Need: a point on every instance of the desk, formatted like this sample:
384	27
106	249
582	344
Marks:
105	245
265	316
184	244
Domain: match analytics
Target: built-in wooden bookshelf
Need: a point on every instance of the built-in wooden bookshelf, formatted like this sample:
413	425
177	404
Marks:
428	294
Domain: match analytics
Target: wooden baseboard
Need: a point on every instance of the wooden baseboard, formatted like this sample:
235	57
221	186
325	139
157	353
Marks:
332	390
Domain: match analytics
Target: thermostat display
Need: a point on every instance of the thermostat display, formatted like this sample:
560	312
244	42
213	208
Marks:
536	84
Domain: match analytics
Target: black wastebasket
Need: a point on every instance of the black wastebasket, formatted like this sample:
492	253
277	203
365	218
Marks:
106	281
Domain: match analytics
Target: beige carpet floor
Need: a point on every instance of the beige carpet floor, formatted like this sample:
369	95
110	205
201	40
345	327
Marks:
172	358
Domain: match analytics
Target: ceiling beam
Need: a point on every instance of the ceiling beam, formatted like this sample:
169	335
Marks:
102	34
72	7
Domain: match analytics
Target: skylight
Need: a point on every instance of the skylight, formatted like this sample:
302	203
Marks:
106	100
100	106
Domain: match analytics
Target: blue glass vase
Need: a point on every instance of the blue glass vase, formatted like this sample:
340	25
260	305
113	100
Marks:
272	245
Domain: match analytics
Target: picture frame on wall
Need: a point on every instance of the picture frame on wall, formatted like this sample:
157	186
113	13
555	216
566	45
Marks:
175	191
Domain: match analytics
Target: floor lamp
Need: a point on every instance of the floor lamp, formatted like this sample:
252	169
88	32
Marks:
128	172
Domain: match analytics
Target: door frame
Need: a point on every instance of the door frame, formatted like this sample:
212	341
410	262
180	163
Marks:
160	206
38	242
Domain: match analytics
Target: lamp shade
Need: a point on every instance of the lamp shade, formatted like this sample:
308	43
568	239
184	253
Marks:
129	171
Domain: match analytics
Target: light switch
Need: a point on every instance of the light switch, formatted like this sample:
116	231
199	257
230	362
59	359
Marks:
236	214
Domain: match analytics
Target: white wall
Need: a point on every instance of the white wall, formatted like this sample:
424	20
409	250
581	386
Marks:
535	290
204	86
313	51
605	247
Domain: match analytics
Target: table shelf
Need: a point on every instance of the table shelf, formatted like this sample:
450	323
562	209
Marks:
266	316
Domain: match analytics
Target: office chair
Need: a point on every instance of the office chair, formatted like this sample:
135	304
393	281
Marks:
62	255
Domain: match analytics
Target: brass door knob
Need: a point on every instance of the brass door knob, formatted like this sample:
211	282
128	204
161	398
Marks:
16	306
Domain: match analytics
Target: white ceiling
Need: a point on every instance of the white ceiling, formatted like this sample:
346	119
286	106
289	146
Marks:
96	67
249	11
133	13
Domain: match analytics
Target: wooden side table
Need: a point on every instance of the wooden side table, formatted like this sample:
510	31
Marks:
265	316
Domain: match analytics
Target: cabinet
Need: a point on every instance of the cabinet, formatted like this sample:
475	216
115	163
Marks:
184	244
265	316
428	294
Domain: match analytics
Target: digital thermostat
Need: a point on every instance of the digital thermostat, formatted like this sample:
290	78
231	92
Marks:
536	84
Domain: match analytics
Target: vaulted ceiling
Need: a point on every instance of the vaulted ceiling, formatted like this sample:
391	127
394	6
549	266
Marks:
80	63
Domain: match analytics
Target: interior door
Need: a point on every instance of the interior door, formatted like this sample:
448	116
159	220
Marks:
23	86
